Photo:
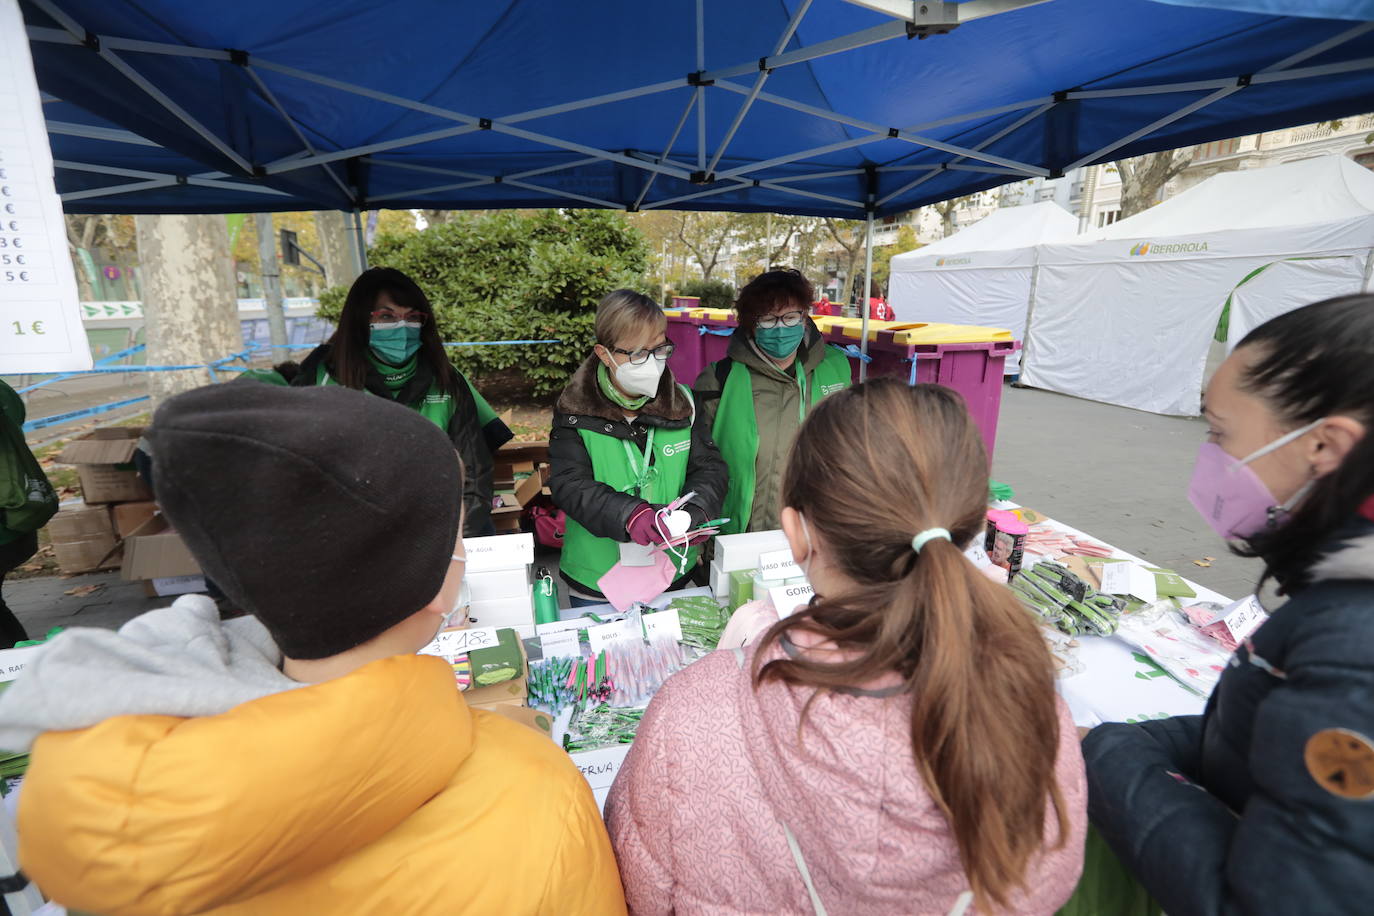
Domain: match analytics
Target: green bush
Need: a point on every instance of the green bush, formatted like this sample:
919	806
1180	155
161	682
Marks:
516	275
714	294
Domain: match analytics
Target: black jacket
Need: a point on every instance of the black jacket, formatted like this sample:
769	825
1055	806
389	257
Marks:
1220	813
464	431
599	508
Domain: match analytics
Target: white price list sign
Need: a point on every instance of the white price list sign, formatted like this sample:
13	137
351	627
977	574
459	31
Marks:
40	317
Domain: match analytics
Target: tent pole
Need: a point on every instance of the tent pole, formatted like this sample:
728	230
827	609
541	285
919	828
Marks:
863	296
359	248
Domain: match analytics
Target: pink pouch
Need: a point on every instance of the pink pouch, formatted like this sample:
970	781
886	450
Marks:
624	585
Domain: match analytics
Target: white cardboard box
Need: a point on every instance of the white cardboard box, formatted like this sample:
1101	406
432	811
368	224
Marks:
499	584
720	580
502	551
742	551
599	768
503	612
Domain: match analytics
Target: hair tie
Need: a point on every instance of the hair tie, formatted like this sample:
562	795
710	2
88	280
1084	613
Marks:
928	535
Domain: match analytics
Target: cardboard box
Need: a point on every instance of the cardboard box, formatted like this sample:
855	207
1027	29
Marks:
536	452
103	459
83	540
502	612
158	556
499	584
90	555
131	518
512	551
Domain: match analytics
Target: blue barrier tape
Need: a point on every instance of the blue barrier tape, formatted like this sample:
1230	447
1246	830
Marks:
853	352
719	332
500	343
77	414
100	363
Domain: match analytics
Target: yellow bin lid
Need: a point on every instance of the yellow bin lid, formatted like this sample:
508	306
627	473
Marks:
948	334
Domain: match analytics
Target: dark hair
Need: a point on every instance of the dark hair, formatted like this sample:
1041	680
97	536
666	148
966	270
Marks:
348	354
984	717
781	286
288	370
1310	363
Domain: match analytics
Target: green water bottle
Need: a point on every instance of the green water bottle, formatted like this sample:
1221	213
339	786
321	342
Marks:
545	597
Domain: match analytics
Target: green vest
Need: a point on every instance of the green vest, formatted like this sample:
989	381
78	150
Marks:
438	406
736	429
586	557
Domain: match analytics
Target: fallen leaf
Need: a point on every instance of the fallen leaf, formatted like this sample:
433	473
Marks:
1204	562
31	567
81	591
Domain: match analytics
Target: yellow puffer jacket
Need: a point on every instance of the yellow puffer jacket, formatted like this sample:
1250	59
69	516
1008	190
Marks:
378	792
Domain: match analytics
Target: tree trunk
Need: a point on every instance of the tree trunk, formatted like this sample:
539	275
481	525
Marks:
271	285
190	312
336	247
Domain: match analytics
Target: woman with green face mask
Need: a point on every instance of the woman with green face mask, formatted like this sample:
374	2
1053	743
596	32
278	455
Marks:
387	343
753	401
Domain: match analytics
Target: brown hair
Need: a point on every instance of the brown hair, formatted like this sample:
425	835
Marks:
348	362
621	312
783	286
873	466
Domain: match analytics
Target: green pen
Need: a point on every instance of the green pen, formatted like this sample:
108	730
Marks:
716	523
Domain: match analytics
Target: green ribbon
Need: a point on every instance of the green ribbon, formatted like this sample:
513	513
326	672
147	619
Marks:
38	642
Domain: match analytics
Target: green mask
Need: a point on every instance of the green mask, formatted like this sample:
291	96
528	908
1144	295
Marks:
395	341
780	342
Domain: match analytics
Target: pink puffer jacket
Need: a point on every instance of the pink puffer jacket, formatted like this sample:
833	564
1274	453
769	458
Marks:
700	811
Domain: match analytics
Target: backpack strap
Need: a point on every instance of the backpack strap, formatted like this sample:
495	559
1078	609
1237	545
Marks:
722	372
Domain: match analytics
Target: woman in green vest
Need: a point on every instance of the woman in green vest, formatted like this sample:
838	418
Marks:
624	445
754	400
387	343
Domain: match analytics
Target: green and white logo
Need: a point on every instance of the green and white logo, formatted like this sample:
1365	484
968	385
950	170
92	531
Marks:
674	448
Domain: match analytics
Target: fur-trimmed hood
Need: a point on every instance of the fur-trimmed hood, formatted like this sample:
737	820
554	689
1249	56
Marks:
1352	557
670	408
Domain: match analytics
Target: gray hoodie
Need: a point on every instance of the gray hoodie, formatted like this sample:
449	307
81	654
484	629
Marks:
176	661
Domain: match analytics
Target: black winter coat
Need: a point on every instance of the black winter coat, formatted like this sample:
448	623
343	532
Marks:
601	509
464	431
1227	813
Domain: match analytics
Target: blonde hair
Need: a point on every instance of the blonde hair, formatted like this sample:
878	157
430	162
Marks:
624	312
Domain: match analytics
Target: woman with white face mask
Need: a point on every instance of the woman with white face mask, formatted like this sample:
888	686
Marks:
1265	803
623	447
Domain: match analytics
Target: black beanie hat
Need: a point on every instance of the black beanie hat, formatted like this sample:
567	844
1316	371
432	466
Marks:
328	513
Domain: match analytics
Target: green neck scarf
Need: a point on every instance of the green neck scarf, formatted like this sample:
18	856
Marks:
395	377
613	394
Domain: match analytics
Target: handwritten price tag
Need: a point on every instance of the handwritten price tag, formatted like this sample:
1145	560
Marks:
665	622
452	643
1244	618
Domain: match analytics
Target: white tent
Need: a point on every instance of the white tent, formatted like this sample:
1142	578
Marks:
982	275
1127	319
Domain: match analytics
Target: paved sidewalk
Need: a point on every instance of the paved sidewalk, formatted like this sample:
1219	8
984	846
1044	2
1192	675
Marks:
43	603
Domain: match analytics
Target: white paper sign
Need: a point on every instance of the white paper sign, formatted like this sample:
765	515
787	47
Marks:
560	644
978	556
778	564
1129	579
607	634
500	551
787	598
40	315
451	643
665	622
1244	617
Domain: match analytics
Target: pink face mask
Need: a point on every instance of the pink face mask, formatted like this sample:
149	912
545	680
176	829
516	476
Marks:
1231	497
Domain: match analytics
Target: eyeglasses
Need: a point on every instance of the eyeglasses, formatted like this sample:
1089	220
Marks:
662	353
382	316
786	319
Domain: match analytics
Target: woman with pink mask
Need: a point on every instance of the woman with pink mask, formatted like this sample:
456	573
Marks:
1265	803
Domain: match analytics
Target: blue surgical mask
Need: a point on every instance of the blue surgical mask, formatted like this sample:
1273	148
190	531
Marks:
780	342
394	342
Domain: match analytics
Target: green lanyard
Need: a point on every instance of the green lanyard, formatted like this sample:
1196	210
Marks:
643	473
801	386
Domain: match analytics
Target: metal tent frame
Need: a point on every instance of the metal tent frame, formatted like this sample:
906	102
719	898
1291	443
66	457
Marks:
277	182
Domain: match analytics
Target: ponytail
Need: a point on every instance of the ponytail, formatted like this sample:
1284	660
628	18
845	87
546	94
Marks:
984	718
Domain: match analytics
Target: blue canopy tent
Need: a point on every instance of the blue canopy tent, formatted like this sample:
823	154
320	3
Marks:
846	108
